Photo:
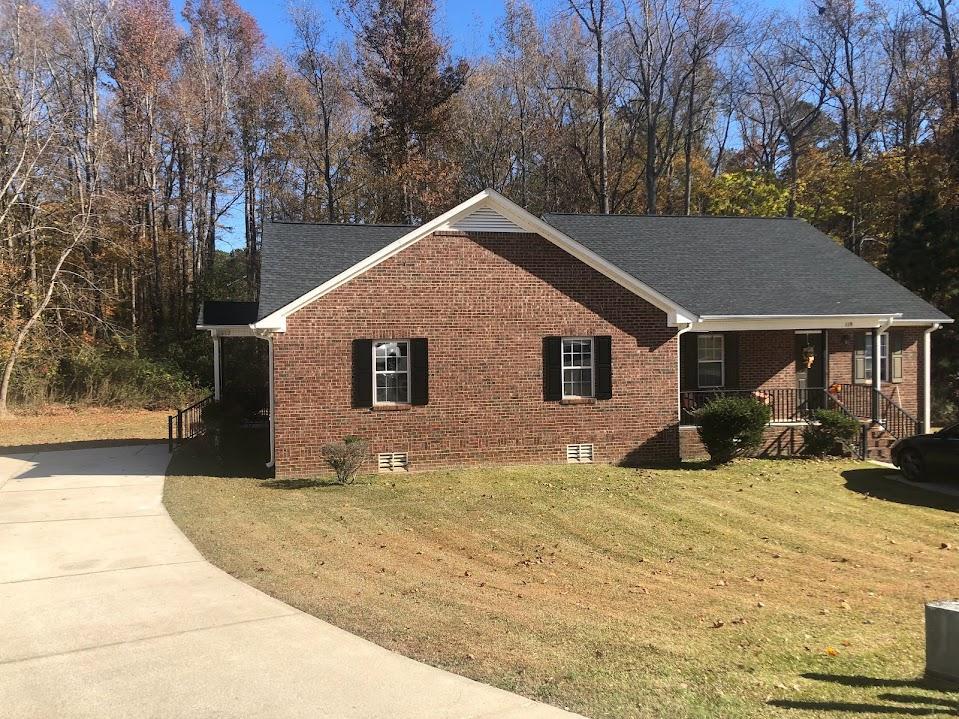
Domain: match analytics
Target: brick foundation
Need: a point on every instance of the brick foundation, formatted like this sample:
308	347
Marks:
778	441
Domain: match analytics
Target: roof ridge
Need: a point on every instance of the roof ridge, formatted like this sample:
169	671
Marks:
674	217
339	224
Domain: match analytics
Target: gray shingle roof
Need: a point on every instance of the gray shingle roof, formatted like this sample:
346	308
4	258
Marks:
743	266
709	265
299	257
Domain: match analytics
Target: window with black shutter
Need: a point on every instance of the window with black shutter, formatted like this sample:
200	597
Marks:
577	368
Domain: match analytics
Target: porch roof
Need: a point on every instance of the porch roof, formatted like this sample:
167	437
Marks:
230	317
723	267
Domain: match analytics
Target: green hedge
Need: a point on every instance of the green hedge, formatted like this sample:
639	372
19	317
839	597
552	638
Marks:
730	426
834	431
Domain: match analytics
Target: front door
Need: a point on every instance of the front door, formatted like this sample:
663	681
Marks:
810	372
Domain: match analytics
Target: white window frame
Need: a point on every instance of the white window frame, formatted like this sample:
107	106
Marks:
376	372
721	360
885	359
564	367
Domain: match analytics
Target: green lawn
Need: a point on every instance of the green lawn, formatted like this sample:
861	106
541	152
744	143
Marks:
765	589
62	427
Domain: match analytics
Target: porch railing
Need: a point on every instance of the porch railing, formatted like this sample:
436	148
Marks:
895	420
858	399
785	404
187	423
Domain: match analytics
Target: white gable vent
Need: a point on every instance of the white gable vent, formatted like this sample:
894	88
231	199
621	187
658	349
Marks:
485	219
579	453
392	461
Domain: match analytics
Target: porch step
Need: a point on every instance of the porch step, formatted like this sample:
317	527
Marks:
879	443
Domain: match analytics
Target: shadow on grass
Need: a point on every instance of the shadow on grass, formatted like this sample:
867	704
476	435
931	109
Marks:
875	482
863	708
898	704
301	483
237	454
74	444
857	680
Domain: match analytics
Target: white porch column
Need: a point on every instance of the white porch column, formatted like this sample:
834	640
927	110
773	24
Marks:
927	378
217	379
876	372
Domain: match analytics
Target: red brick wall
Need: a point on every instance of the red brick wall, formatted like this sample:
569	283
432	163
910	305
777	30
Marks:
908	392
484	301
767	359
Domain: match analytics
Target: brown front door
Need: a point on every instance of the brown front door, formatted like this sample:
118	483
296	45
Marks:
809	368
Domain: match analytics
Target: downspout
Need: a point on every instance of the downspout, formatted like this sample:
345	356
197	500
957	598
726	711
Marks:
268	335
927	378
683	329
272	461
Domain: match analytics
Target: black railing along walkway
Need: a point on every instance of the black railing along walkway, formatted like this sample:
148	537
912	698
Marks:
187	423
895	420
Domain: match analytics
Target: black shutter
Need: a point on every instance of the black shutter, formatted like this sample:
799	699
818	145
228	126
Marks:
689	379
603	347
552	369
895	355
362	373
731	358
419	371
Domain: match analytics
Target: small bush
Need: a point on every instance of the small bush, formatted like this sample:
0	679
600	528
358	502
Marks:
833	429
730	426
345	458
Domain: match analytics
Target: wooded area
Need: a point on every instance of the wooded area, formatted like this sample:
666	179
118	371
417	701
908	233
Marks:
133	142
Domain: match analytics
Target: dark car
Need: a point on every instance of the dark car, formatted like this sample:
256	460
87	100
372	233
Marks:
928	457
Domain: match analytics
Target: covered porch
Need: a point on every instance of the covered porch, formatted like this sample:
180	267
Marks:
799	365
242	361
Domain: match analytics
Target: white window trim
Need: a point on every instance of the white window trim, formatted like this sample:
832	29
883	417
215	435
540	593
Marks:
885	362
564	367
721	360
409	389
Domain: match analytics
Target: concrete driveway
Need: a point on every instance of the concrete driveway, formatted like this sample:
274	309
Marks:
107	610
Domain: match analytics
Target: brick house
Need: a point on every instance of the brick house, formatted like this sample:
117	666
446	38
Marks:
491	335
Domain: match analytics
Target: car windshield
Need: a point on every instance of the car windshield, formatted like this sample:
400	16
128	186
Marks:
950	432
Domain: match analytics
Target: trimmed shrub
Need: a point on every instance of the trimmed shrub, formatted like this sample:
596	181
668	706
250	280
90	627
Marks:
345	458
834	430
731	426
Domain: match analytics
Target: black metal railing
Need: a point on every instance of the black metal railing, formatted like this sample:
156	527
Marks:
187	423
856	398
836	403
785	404
895	420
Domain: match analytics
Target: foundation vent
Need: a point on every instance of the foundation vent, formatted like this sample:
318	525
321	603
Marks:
579	453
392	461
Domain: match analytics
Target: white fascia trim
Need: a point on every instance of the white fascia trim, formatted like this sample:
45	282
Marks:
729	323
227	330
921	323
276	321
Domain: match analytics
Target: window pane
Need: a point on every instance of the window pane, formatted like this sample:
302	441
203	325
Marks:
709	347
710	374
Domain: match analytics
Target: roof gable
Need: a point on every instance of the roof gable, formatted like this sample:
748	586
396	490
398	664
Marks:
332	263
